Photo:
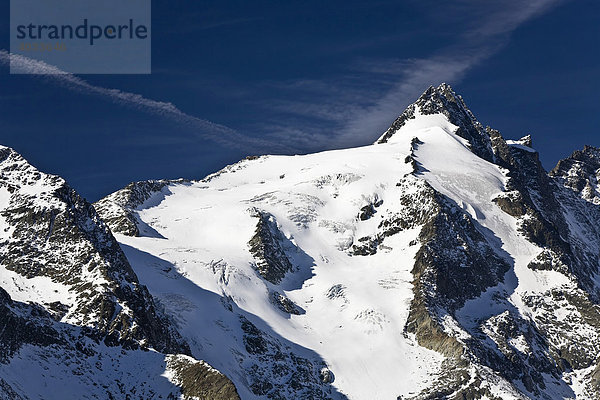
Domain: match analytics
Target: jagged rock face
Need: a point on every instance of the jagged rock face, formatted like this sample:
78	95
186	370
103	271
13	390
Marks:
41	358
551	215
77	294
580	172
455	263
22	324
531	193
198	380
417	208
285	304
266	246
276	372
117	209
455	258
576	178
55	233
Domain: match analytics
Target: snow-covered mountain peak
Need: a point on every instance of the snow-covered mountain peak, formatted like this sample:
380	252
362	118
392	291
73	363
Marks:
70	303
443	101
443	250
20	176
442	262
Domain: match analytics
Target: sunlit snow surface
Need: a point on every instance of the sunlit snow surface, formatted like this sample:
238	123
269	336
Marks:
196	254
315	198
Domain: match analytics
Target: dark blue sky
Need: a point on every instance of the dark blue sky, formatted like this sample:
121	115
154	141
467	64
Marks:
295	77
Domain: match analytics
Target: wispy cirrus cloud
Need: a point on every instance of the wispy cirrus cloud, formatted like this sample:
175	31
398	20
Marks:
345	116
349	109
204	129
503	17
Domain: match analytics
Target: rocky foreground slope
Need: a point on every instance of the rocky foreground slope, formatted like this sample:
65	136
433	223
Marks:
74	320
441	262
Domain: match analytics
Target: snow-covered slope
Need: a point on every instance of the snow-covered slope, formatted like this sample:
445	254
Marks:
74	320
440	262
203	271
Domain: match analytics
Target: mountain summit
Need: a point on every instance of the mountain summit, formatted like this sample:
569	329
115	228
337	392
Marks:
444	101
441	262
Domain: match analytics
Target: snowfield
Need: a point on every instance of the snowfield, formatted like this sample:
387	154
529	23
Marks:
355	308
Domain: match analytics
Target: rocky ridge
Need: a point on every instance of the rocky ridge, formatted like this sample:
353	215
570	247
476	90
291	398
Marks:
68	288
